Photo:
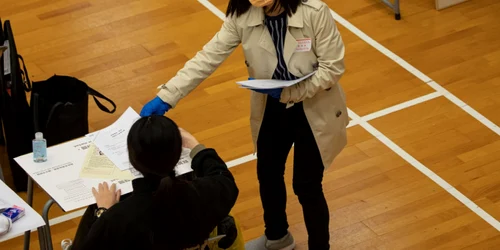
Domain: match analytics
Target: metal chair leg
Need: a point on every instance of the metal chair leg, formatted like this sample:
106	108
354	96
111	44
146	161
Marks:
45	216
27	234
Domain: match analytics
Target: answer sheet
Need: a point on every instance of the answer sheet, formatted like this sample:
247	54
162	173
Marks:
59	176
271	84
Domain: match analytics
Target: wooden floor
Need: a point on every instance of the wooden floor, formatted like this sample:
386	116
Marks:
377	199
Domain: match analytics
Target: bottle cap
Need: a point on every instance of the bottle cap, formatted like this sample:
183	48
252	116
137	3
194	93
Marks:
38	135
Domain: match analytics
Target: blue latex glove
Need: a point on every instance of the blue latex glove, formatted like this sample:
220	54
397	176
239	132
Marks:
274	93
155	107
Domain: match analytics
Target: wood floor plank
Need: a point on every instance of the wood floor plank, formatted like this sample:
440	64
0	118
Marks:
126	48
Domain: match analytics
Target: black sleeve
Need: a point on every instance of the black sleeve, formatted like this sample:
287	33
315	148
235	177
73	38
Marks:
97	237
215	186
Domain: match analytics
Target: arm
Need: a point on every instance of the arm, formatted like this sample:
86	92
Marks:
203	64
330	53
215	184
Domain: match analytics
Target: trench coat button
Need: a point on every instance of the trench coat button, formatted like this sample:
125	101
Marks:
328	89
316	66
339	113
304	1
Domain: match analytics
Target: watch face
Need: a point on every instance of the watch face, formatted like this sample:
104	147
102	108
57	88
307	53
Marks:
99	212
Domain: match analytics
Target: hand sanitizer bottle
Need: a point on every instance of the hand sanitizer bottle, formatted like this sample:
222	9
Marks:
39	148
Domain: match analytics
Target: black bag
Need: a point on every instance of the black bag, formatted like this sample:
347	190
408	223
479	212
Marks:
15	113
60	108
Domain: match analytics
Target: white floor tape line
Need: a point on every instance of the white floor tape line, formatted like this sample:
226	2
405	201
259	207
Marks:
438	88
426	171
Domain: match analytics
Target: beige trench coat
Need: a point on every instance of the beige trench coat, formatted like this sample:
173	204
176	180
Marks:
322	96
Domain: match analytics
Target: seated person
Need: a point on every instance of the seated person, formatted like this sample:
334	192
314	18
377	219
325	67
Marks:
163	212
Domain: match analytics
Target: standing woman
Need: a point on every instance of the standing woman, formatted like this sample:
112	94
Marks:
282	39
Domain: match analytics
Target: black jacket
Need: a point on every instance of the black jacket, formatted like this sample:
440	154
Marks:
179	216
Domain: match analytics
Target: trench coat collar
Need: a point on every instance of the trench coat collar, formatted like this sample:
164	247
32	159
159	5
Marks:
256	17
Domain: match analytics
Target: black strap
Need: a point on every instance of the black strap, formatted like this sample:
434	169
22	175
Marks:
25	75
95	94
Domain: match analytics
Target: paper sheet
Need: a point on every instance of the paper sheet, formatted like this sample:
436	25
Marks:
112	140
271	84
98	166
184	165
59	176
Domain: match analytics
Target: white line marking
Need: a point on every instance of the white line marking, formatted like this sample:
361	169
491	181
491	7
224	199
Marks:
251	157
213	9
401	106
440	89
352	123
241	160
426	171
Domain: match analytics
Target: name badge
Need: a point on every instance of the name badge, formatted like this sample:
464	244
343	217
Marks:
304	45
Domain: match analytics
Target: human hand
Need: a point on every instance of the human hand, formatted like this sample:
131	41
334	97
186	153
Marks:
274	93
155	107
261	3
188	140
105	196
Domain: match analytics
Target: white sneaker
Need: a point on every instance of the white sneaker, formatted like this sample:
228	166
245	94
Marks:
285	243
66	244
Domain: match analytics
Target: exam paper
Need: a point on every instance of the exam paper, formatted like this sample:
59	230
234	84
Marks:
112	141
59	176
271	84
98	166
184	165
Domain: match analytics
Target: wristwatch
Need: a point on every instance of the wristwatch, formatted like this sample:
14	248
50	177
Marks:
99	211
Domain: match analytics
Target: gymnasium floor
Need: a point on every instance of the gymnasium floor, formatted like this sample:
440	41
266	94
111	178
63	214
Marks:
422	167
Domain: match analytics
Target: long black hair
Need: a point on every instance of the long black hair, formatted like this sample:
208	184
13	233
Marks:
154	146
239	7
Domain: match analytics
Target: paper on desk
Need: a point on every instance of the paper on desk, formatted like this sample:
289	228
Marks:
59	176
98	166
112	141
271	84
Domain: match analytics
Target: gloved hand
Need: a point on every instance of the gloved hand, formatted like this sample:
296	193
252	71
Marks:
155	107
274	93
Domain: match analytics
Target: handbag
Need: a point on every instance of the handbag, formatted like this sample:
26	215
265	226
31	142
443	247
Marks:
60	108
15	113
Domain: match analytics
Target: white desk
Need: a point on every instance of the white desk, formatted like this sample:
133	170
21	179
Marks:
30	221
60	178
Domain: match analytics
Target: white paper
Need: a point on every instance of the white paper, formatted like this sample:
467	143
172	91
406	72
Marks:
184	165
112	141
59	176
271	84
31	219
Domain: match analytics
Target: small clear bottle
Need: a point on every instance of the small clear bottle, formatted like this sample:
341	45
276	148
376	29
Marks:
39	148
